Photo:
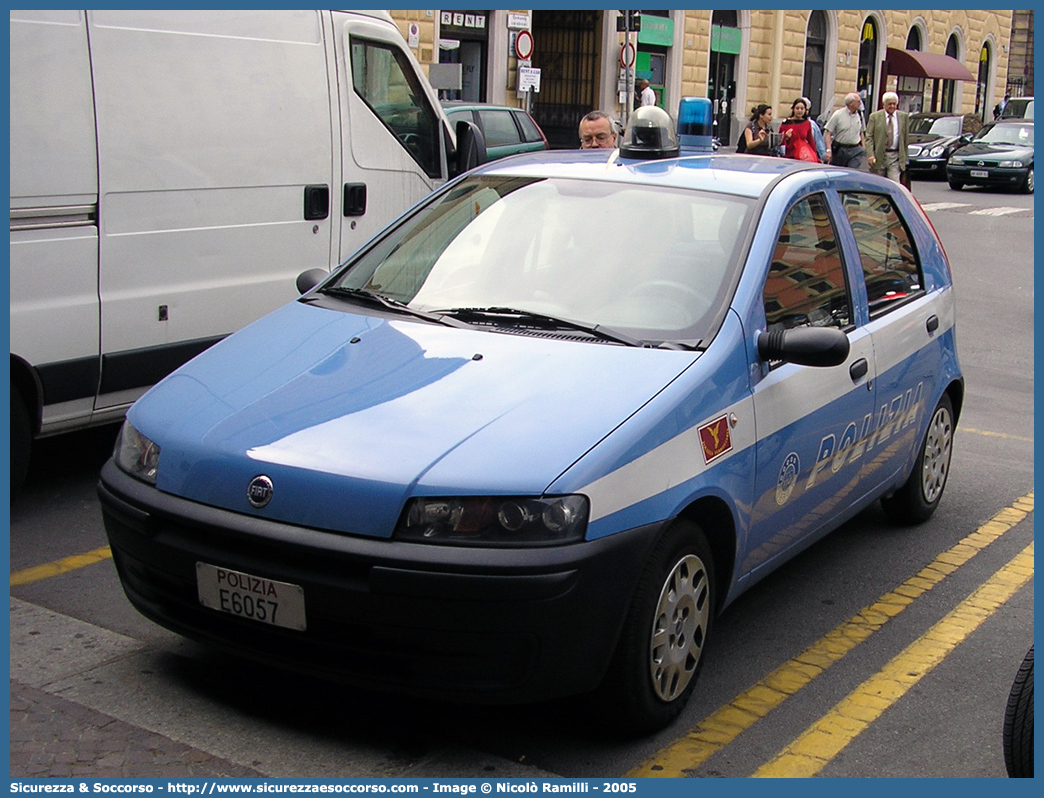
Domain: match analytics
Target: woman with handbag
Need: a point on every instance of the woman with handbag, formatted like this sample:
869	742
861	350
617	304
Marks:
798	139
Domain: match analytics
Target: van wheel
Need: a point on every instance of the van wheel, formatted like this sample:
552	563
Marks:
917	499
661	648
956	185
21	440
1018	722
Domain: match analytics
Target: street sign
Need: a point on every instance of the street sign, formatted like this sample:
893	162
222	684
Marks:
529	79
524	45
636	22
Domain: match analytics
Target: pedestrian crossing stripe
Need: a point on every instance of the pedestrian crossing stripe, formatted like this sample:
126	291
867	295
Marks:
996	211
945	206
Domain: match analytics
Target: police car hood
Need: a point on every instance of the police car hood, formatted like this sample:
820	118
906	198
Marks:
351	415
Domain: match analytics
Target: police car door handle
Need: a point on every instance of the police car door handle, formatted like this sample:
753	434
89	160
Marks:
932	324
858	369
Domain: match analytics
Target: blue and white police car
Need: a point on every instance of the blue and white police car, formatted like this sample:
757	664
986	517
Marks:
533	437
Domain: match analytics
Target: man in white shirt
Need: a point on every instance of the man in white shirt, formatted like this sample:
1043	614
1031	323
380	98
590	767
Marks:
844	134
648	95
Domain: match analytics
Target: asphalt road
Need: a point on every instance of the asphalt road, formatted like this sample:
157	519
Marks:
75	638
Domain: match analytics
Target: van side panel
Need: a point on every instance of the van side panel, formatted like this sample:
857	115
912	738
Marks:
54	196
210	126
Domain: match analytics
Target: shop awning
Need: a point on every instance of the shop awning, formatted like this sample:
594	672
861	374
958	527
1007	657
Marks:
915	64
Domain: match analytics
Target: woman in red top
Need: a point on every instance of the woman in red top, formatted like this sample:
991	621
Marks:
798	140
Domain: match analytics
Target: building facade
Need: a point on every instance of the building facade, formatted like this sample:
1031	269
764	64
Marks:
946	60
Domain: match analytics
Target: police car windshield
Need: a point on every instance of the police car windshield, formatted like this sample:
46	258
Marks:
649	260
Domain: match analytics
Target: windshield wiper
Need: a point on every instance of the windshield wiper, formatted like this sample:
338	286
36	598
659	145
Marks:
373	298
546	321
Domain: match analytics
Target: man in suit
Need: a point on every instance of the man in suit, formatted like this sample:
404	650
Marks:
887	133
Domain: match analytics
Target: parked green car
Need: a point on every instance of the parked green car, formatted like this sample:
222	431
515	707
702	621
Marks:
508	130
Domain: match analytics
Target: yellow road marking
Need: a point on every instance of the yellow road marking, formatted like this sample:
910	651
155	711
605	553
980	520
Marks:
57	567
717	730
825	739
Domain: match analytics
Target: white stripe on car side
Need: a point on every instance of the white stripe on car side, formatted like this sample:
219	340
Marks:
668	465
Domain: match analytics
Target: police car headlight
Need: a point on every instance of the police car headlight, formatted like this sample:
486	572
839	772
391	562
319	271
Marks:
935	152
494	520
136	454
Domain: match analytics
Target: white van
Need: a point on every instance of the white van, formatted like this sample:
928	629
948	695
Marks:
173	171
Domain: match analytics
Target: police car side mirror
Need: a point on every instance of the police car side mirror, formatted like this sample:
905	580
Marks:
307	280
471	148
805	346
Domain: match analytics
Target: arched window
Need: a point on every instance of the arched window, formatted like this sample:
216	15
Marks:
913	39
982	82
721	87
868	60
815	61
949	87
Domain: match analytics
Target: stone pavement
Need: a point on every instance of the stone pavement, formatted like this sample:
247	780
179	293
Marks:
87	702
52	737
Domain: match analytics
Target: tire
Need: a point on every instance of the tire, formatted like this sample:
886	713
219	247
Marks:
1027	184
956	185
916	500
1018	722
661	649
21	440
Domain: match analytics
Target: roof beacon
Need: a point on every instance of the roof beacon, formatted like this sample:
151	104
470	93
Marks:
695	131
649	135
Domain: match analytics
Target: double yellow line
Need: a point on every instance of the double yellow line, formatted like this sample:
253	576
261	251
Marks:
810	752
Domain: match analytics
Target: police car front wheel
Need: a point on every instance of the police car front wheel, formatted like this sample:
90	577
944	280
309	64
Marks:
661	647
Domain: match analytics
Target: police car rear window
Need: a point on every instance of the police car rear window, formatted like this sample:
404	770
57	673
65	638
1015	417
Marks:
890	265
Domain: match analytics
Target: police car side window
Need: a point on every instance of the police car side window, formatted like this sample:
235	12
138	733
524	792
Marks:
891	268
806	281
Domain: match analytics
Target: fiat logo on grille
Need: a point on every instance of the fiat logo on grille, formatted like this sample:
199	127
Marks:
259	491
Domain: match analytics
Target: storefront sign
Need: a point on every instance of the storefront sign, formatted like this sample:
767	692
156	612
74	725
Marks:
725	40
656	30
463	19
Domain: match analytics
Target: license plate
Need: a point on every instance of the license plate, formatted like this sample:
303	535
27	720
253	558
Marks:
979	173
254	597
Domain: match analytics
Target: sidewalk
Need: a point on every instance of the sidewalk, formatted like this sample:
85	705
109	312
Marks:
52	737
87	702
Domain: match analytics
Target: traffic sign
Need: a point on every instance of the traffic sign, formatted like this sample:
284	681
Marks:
627	55
528	79
524	45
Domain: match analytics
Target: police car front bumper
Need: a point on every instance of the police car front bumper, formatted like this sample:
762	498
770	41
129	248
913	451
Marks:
485	625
